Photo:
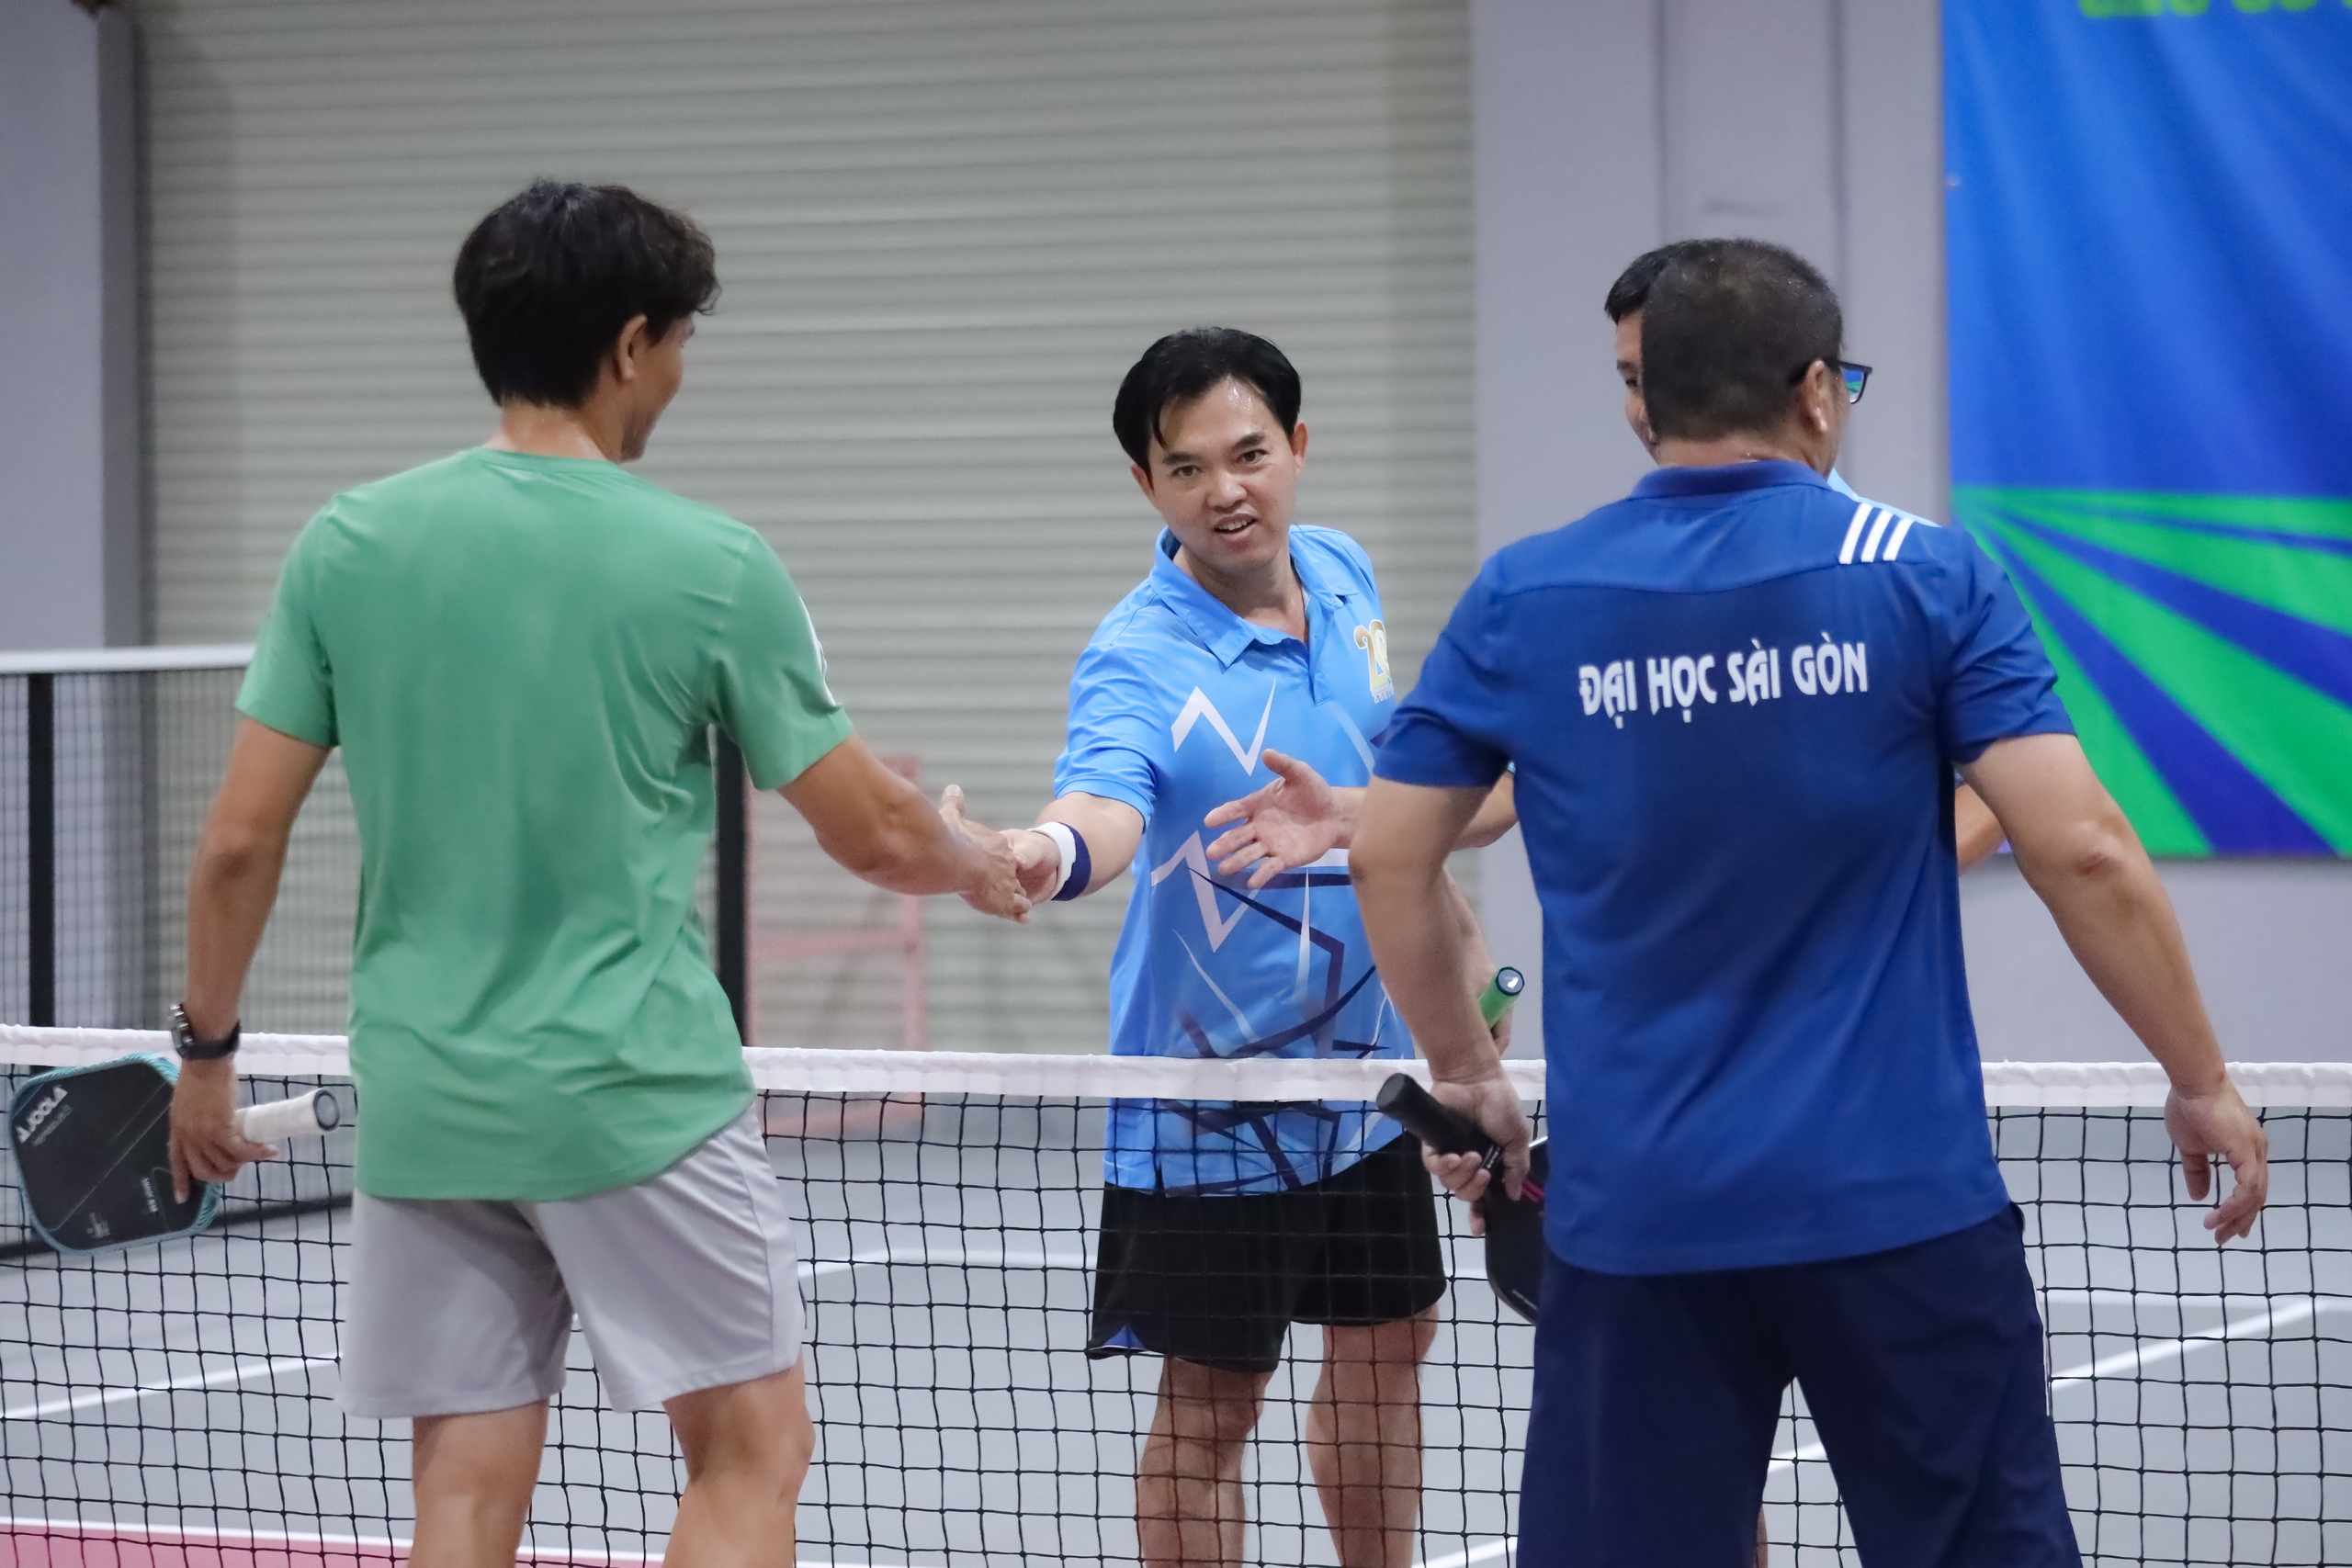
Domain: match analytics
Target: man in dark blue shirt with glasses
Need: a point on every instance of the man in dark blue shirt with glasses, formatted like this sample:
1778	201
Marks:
1735	701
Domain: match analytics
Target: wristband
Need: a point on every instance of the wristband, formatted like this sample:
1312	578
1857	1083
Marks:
1081	869
1065	839
1077	866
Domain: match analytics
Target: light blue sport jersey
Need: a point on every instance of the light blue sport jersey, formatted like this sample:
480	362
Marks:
1734	700
1168	709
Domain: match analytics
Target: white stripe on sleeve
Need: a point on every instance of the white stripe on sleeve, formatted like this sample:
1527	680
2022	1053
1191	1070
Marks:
1878	531
1853	532
1902	532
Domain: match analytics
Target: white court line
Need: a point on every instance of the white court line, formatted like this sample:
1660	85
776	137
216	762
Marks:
257	1370
1486	1553
96	1397
2140	1358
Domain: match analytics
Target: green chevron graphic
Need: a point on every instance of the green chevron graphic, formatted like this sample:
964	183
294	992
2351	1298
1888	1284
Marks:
2204	647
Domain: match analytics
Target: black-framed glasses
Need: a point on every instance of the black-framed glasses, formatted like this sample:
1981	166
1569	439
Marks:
1857	377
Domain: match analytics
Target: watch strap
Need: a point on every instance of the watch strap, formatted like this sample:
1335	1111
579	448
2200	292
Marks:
191	1049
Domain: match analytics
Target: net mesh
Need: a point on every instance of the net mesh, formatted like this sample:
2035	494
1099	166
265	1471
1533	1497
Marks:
134	757
177	1403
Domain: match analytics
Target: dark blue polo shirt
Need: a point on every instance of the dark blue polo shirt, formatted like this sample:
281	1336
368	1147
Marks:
1734	700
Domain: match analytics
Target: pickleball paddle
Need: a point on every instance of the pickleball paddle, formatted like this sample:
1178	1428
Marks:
1514	1225
92	1147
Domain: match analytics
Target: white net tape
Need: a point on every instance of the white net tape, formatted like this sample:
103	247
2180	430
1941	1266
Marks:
983	1072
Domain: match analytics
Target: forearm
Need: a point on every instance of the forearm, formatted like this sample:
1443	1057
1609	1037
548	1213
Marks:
1976	833
907	848
1420	923
2112	909
1479	960
230	889
1112	830
234	880
1498	815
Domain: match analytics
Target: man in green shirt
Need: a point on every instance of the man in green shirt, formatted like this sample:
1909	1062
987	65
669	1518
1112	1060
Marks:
521	650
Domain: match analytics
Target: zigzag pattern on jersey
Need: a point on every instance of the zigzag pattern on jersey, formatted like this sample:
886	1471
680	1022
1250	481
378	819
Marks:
1251	1123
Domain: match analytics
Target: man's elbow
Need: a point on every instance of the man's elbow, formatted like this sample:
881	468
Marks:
2091	852
231	853
1385	868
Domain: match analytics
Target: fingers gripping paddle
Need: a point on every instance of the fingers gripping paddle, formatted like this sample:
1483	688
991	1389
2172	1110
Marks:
1514	1225
92	1147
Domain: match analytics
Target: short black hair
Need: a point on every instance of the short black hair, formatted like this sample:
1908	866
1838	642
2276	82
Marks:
1729	328
1632	289
1182	366
547	281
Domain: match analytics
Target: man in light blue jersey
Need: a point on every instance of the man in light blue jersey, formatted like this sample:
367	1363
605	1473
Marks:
1735	701
1225	1224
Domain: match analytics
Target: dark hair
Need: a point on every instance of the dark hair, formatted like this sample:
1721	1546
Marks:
547	281
1729	328
1632	289
1182	366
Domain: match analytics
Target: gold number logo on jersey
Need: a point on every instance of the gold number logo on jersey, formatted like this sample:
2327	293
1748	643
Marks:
1374	640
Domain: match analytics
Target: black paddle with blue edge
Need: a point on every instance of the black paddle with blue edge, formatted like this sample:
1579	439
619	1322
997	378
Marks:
1514	1225
92	1147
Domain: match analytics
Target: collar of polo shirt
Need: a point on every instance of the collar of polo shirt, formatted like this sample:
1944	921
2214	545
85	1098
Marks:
1760	474
1224	632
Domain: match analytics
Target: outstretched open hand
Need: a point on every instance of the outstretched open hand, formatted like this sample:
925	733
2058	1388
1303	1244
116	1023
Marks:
1294	822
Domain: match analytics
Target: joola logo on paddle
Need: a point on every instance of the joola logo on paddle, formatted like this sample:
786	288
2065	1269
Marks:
39	1113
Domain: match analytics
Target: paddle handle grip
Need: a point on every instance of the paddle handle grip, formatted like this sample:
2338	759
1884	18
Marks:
1437	1124
304	1116
1501	992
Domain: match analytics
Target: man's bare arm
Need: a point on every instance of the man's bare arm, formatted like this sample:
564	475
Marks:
880	829
231	888
1422	946
1112	830
2080	855
1976	833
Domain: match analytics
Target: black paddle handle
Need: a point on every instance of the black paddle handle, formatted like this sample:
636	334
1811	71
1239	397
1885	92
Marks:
1437	1124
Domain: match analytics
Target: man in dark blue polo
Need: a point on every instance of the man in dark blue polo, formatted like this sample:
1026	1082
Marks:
1734	700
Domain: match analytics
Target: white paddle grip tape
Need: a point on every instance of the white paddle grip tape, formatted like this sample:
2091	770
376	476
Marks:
305	1116
1066	846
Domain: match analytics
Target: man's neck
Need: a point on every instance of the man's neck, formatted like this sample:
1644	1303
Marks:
1745	446
546	432
1268	596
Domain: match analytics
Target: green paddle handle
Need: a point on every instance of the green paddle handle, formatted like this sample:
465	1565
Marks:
1501	992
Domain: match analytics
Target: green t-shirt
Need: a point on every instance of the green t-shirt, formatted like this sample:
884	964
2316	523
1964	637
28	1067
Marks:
519	657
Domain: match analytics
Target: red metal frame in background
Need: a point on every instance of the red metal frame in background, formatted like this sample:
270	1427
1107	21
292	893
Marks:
906	938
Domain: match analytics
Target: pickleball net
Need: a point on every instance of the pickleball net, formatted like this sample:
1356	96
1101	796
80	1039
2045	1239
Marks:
175	1405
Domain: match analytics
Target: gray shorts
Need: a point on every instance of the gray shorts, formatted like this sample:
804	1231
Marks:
683	1281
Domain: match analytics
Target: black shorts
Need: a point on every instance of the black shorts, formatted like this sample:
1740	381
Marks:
1220	1279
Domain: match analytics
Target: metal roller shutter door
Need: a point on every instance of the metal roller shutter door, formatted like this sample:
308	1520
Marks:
945	230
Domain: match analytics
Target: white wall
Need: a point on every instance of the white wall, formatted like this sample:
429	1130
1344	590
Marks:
72	572
1607	127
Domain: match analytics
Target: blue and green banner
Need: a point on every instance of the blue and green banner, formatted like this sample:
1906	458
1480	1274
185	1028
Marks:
2149	248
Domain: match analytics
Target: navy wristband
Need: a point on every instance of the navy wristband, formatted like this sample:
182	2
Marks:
1081	869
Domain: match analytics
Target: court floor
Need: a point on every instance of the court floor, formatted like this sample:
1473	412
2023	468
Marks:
176	1405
